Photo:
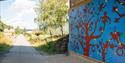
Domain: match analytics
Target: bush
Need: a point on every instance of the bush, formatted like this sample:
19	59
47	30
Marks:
49	48
55	47
5	43
4	47
52	45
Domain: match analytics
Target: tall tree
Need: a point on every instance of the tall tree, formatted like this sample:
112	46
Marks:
52	15
18	30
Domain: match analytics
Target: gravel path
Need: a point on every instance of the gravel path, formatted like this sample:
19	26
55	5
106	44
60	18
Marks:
23	52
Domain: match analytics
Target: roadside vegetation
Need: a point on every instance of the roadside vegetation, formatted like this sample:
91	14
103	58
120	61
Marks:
58	46
5	42
55	44
51	20
52	17
19	31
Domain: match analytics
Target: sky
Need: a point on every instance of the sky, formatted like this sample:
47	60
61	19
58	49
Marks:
19	13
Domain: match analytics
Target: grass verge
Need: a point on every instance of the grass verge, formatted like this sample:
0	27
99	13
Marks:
50	45
5	43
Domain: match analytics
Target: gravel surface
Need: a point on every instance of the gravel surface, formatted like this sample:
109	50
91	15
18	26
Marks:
23	52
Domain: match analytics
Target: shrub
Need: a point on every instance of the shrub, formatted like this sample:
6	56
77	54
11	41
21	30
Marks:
55	47
4	47
5	42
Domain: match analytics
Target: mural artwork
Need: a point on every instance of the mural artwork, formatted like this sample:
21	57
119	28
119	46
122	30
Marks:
97	30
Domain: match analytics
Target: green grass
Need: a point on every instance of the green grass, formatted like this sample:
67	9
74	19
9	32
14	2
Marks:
55	47
48	48
4	48
51	45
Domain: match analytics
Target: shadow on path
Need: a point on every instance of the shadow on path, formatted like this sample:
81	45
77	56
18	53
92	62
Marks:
23	54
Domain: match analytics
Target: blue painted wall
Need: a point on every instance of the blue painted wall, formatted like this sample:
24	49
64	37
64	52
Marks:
97	30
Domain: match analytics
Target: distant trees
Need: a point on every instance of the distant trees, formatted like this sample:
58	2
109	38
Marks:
3	26
51	14
18	31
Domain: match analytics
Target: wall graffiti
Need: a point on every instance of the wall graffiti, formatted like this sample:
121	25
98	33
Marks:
97	30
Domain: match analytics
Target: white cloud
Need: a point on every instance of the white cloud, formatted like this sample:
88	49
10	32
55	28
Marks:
21	5
22	13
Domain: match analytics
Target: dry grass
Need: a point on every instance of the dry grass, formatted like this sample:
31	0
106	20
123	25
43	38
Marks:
55	44
5	42
38	42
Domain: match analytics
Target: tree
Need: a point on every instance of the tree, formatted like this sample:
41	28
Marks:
18	30
61	13
52	15
3	26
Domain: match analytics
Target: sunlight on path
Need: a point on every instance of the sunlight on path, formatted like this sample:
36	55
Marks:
21	41
22	46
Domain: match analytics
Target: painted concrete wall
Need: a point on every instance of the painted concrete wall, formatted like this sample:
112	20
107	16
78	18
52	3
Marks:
97	30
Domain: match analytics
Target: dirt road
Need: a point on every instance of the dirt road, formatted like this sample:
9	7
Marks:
23	52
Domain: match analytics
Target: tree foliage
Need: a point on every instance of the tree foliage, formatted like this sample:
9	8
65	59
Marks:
51	14
19	31
3	26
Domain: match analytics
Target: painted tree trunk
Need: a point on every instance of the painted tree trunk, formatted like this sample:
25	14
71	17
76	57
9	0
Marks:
86	50
103	55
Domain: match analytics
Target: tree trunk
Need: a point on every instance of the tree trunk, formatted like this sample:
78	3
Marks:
39	27
86	50
50	34
61	28
103	55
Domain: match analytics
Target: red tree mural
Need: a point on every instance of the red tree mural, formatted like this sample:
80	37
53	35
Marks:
88	24
93	21
116	37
